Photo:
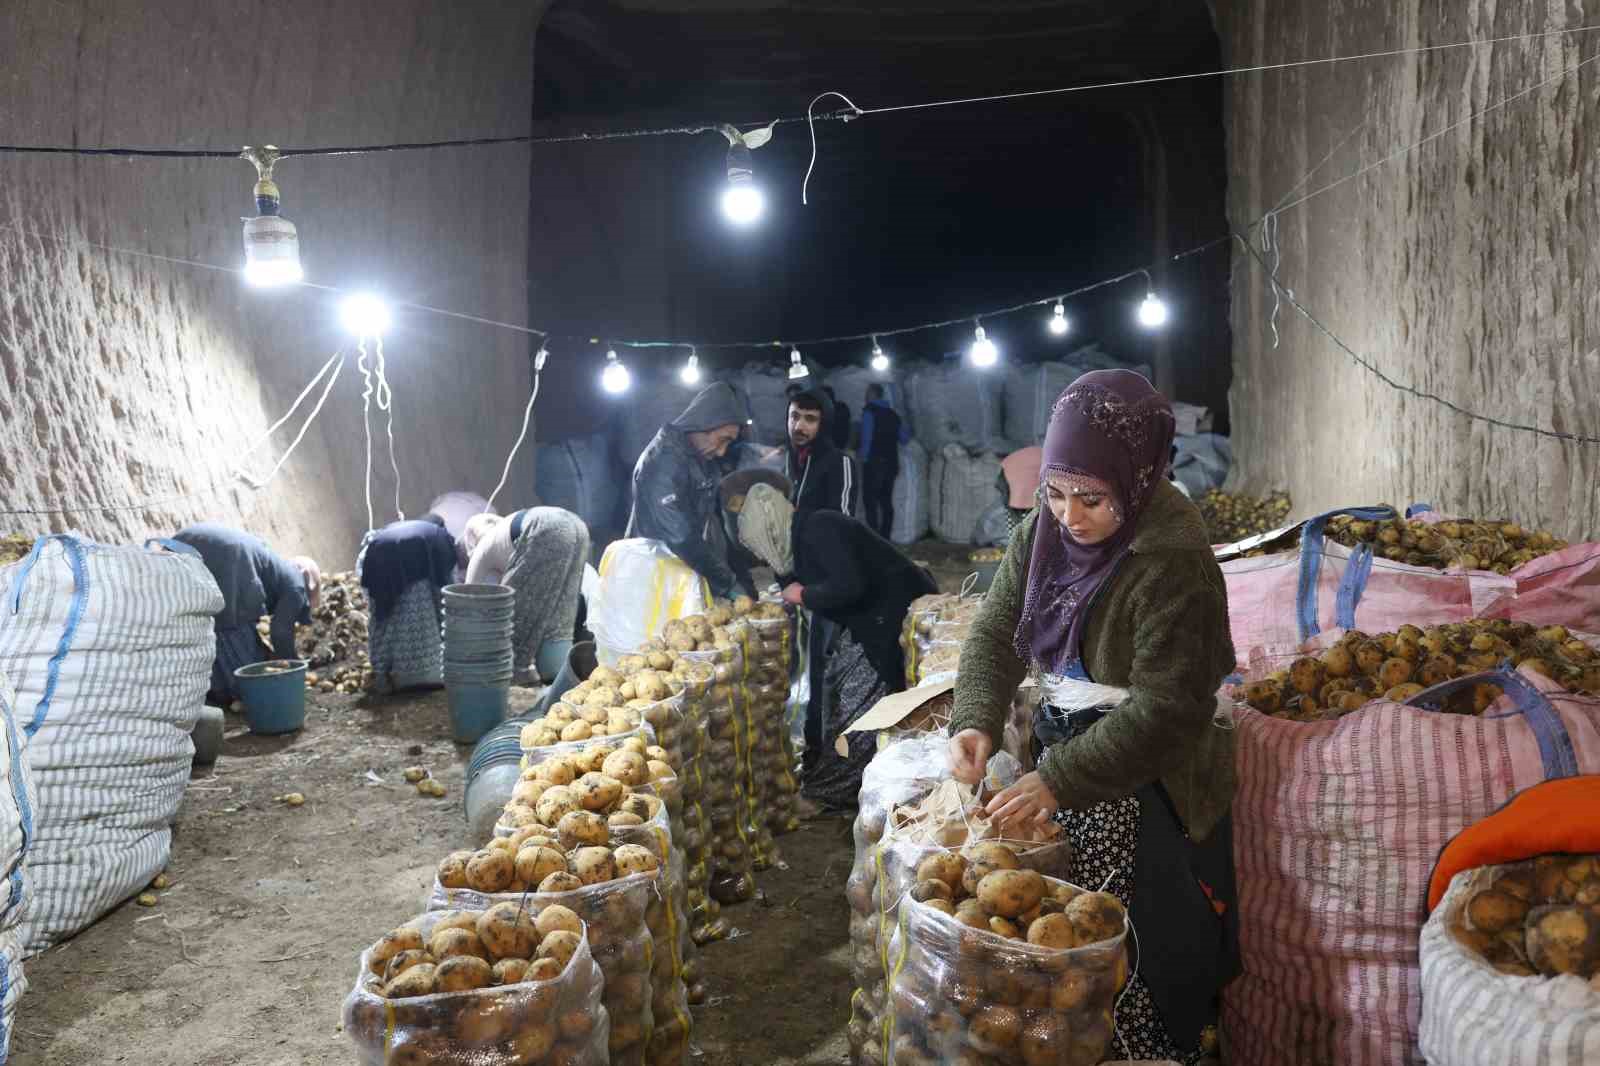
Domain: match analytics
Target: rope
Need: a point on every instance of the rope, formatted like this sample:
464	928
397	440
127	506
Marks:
527	415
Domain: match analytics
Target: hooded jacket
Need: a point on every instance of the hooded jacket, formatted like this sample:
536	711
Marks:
675	496
826	479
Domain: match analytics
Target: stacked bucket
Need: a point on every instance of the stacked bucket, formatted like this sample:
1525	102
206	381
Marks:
477	656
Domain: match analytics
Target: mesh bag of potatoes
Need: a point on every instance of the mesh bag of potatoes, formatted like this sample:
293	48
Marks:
768	635
509	985
1009	967
723	793
705	913
563	766
610	889
1511	966
589	710
942	618
1358	668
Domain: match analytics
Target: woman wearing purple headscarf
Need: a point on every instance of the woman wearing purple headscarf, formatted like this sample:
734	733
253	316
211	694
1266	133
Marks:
1110	594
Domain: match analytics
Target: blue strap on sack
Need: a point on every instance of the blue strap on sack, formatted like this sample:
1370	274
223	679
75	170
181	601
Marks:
77	559
1418	508
1556	750
1351	585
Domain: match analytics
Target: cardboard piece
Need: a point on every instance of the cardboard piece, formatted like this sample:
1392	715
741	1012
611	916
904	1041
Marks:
896	710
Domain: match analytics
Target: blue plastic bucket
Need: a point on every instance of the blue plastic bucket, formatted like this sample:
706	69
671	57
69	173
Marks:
476	709
274	695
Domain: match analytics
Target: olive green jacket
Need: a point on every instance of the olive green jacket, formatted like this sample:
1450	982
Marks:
1158	628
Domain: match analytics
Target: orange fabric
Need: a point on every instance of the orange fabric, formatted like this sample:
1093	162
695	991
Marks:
1021	469
1560	816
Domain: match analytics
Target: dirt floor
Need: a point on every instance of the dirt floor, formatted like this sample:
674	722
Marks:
246	958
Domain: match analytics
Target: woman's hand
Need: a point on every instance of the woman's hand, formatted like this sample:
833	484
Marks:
1028	802
795	594
969	756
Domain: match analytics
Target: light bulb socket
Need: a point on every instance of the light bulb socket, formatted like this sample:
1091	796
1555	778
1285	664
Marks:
740	167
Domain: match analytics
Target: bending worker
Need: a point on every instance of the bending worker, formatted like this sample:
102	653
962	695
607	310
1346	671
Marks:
837	567
540	552
675	488
255	581
1110	591
404	568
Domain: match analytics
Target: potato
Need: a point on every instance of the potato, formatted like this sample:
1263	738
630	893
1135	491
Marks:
1072	990
404	961
1493	911
1004	927
467	920
627	767
1096	916
581	828
995	1029
452	872
532	1043
1564	940
556	771
534	864
501	844
943	906
560	946
556	803
1009	893
984	859
490	871
631	859
602	696
462	973
624	820
605	677
529	737
417	981
510	971
576	731
970	913
533	836
923	891
1053	931
558	882
661	771
557	918
597	792
944	866
593	865
508	931
448	943
1307	675
1046	1040
646	807
1394	672
544	970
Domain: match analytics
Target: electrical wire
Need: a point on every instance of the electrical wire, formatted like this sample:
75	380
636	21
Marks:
366	421
805	184
312	417
386	405
527	416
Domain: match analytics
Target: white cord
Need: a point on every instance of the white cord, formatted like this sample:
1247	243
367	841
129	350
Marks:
366	423
527	416
386	405
337	358
1269	248
811	123
1116	1030
312	417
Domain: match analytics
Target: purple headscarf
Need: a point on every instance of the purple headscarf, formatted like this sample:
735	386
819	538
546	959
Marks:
1110	426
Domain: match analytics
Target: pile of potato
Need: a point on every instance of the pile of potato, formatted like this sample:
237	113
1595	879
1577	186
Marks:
1232	516
1539	918
1000	962
1397	666
335	643
14	546
932	635
774	792
1464	543
510	985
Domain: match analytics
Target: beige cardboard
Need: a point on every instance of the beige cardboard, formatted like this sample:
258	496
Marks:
891	711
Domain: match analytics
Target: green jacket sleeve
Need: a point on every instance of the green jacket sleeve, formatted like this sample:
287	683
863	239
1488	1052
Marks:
1172	685
990	670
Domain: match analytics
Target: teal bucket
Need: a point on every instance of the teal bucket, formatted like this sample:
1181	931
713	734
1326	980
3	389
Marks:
475	709
274	695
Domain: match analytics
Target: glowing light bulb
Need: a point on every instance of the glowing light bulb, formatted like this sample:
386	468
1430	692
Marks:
797	369
880	361
690	374
615	378
365	315
1058	321
271	245
742	201
1152	312
983	353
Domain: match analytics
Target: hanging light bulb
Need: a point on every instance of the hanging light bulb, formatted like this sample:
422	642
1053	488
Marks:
743	202
880	361
983	353
364	315
1152	312
271	246
797	368
690	374
1058	321
615	378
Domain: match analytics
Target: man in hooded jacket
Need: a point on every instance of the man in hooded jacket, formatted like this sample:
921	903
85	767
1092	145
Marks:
675	488
824	477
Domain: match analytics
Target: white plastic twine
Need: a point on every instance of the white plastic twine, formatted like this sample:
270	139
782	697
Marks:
337	365
969	584
811	123
527	415
386	405
366	424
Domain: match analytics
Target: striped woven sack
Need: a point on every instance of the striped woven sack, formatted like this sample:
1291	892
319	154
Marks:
16	839
1337	826
110	651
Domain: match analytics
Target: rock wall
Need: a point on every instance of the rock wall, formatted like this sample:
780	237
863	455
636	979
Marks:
127	380
1464	268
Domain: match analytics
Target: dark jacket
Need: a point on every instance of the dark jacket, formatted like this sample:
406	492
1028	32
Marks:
883	431
255	581
1158	628
858	580
839	425
675	501
826	479
400	554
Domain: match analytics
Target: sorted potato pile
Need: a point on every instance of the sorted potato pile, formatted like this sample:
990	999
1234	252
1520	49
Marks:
1397	666
1464	543
1539	918
335	643
509	985
14	546
774	792
1232	516
934	629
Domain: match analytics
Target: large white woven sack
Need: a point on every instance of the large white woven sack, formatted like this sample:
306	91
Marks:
16	838
110	652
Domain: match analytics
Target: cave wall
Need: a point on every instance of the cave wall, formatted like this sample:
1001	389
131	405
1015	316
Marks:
1465	268
126	379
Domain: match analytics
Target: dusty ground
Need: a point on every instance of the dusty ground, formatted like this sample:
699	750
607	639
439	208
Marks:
247	957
